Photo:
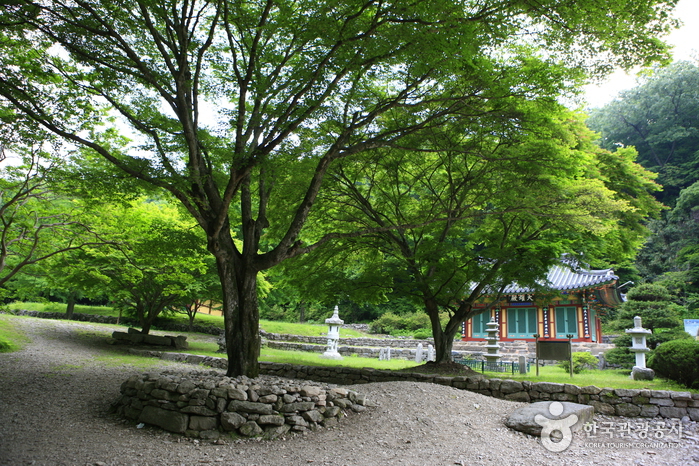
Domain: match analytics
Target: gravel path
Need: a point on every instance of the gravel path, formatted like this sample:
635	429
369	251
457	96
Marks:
54	397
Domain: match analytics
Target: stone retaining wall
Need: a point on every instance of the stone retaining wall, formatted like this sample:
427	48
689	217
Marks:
510	350
527	348
207	404
361	351
375	342
619	402
459	351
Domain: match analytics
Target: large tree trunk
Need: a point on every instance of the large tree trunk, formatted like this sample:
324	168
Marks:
192	314
240	312
302	312
143	319
443	338
70	308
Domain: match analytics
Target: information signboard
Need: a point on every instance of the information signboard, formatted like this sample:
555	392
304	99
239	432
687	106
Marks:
553	350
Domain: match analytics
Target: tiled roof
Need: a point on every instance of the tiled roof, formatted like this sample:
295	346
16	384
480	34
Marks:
564	278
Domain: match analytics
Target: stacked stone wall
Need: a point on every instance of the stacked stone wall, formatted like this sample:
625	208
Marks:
207	405
361	351
374	342
619	402
404	348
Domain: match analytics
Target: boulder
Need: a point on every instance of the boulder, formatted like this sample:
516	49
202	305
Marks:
627	410
524	419
180	342
510	386
310	390
548	387
519	396
120	335
642	373
313	416
237	394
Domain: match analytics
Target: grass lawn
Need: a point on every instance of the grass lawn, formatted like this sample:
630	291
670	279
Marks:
11	339
311	330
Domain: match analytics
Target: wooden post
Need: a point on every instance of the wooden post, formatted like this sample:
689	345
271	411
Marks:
570	349
536	335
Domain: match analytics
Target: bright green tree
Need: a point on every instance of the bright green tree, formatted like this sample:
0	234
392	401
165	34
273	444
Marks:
660	118
236	106
157	261
203	291
466	216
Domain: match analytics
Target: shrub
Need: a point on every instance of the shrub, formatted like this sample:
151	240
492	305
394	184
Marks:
422	334
620	356
417	320
677	360
581	361
387	323
405	324
276	313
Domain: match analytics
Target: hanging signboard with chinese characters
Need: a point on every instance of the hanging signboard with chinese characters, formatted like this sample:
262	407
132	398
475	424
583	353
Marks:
521	298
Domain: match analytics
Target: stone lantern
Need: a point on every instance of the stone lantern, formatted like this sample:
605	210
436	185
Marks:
493	355
333	335
639	347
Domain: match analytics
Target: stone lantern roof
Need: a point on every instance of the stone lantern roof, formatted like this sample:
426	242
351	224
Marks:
335	319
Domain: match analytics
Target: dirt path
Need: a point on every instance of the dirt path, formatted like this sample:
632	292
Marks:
54	397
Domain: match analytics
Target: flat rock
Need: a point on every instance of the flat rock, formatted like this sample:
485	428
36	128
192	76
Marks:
642	373
524	419
169	420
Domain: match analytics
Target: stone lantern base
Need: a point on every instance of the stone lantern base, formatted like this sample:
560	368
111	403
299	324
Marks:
642	373
331	355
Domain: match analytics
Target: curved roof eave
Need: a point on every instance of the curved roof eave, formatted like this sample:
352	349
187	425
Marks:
566	279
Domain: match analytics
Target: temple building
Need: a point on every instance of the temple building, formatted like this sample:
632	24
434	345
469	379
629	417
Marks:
572	306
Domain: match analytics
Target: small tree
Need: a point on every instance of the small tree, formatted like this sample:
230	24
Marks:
157	262
654	304
204	291
582	361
